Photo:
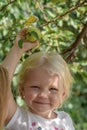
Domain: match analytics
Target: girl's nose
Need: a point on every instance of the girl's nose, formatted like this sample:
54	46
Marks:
43	94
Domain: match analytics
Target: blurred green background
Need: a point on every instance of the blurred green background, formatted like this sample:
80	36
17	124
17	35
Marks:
63	24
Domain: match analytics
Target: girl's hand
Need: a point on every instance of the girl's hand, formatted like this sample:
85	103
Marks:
26	44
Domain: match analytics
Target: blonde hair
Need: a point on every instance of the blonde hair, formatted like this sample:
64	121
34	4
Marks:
53	63
4	84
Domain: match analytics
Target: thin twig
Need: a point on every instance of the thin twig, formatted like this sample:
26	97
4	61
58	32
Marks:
62	15
5	6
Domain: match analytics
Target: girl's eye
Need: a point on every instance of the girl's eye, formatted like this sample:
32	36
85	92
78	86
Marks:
35	87
53	89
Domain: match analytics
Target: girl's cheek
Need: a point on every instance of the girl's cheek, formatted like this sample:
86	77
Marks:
31	94
55	98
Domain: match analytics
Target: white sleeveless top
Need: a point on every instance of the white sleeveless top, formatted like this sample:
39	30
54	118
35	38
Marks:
25	120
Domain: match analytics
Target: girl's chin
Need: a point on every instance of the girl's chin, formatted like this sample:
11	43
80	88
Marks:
45	114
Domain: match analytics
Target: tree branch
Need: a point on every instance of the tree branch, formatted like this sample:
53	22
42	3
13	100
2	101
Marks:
5	6
73	47
62	15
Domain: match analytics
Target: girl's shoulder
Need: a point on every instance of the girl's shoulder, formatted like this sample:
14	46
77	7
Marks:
18	120
65	118
62	114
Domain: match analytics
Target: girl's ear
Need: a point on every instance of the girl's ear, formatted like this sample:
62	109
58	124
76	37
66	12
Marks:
63	95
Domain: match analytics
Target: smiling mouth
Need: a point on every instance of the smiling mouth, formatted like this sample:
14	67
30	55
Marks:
42	103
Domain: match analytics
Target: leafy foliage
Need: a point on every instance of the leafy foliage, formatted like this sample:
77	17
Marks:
63	25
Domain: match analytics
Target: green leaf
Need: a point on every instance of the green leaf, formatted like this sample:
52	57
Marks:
35	35
20	43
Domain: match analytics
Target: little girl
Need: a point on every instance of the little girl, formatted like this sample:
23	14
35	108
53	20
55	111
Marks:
4	88
44	84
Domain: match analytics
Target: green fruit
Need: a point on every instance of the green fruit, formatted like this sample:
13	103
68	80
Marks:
33	34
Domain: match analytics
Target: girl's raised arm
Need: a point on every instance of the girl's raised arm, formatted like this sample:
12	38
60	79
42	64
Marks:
10	63
14	55
4	89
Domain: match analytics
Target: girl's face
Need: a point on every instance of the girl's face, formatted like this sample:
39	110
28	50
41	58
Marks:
41	92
